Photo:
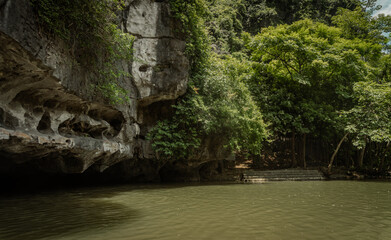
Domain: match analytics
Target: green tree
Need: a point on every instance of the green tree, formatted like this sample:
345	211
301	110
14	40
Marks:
360	23
228	19
370	118
384	74
220	106
264	13
218	103
258	14
304	74
225	23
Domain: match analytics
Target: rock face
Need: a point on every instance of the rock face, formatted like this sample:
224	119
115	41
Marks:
51	120
160	71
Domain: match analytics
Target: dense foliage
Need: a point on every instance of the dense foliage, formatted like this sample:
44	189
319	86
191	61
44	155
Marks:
219	106
370	118
313	68
90	30
228	19
325	78
318	69
217	103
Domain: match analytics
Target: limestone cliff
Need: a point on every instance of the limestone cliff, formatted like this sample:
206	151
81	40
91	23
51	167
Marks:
51	121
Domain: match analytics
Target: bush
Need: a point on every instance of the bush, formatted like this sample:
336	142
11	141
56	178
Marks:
221	105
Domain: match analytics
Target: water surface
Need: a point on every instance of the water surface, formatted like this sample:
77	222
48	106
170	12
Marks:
277	210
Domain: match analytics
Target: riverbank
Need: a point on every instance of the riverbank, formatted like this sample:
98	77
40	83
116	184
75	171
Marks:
40	182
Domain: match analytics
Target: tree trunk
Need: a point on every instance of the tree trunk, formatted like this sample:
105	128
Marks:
303	155
372	155
347	157
335	153
294	161
381	167
361	157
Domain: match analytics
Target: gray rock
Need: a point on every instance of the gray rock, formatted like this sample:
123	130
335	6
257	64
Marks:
51	120
48	111
160	70
150	19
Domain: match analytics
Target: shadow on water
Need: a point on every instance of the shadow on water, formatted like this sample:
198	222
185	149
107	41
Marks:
56	215
198	211
66	212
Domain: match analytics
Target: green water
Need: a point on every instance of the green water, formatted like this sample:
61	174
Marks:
277	210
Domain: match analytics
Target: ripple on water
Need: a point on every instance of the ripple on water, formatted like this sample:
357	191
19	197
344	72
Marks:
281	210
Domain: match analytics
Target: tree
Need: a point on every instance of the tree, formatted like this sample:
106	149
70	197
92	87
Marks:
304	75
220	105
259	14
384	74
370	118
225	23
359	23
228	19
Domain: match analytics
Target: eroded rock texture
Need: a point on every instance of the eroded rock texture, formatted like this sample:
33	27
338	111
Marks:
161	69
51	120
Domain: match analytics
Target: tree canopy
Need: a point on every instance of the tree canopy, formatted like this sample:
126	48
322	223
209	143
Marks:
298	68
312	67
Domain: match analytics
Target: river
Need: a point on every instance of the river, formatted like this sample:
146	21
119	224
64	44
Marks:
275	210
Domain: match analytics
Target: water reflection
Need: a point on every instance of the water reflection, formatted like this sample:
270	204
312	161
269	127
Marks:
56	215
281	210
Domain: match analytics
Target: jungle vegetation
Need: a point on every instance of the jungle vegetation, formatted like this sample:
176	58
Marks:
268	77
304	80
